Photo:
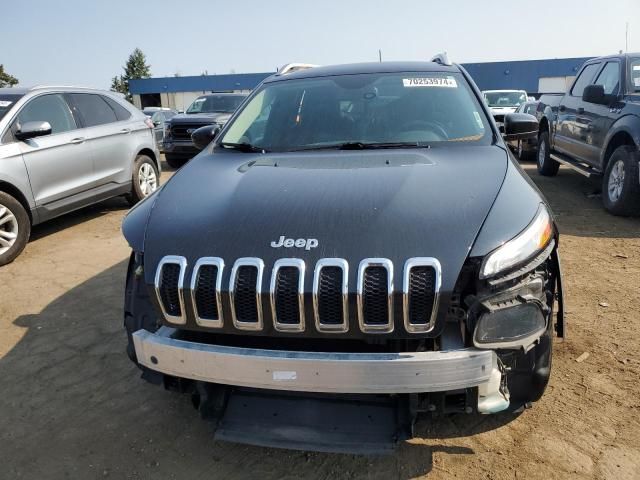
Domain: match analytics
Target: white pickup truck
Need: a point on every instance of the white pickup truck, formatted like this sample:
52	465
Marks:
502	102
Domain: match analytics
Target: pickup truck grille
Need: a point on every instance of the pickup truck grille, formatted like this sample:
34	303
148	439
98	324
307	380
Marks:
330	294
179	130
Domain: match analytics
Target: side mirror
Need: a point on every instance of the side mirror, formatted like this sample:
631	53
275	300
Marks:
203	136
33	129
156	123
520	126
595	94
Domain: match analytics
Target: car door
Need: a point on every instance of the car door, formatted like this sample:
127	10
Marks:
110	141
569	132
59	165
158	120
596	120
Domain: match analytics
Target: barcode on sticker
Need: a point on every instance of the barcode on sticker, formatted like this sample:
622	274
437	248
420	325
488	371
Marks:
284	375
449	82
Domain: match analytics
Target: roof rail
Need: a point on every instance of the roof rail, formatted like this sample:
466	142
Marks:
442	59
294	67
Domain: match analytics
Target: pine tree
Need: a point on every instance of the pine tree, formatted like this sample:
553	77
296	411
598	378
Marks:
6	80
136	67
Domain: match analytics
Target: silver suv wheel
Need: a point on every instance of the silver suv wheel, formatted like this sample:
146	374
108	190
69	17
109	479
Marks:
8	229
147	179
616	181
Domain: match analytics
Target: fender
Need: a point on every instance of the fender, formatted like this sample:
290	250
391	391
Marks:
629	124
134	225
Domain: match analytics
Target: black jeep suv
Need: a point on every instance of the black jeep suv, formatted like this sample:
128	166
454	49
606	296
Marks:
214	109
357	246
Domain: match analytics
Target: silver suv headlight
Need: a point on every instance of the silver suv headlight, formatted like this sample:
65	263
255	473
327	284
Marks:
524	246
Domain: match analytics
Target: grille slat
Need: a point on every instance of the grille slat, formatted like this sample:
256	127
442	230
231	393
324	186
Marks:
287	301
206	299
245	292
330	295
421	290
375	292
169	287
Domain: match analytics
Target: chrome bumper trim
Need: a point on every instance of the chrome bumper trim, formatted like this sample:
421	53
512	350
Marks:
410	372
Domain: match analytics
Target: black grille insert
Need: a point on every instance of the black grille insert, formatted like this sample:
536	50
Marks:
168	289
205	292
375	292
244	298
287	302
421	294
330	307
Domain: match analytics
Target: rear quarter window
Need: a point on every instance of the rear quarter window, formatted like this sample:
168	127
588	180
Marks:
121	112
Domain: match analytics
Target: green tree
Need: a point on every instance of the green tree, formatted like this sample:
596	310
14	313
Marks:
7	80
136	67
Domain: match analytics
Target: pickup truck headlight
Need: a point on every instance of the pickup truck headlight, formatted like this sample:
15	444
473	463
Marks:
167	129
525	245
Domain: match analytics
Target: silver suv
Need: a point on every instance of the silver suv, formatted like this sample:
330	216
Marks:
62	148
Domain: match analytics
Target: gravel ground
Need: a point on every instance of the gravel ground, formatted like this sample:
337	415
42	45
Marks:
73	406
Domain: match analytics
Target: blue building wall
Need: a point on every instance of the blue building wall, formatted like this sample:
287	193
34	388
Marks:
522	74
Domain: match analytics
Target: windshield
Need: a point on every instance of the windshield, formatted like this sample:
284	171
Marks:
635	74
505	99
365	109
216	103
6	102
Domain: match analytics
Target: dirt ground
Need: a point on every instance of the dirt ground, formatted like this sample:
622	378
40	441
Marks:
73	406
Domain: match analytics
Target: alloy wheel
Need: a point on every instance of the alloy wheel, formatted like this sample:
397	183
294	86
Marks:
542	152
147	179
8	229
616	181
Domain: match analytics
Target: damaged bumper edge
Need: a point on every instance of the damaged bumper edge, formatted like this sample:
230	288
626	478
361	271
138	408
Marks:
324	372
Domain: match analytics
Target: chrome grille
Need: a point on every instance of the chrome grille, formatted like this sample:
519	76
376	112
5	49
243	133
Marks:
421	290
287	295
375	289
330	295
206	283
169	284
375	295
245	289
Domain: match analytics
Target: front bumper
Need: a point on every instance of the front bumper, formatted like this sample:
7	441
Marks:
179	147
322	372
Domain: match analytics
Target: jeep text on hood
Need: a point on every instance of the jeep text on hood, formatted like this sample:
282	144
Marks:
356	241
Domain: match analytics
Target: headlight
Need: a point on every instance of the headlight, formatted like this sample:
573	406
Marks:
529	242
167	128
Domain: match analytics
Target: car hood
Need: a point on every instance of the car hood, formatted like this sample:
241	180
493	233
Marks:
394	204
204	118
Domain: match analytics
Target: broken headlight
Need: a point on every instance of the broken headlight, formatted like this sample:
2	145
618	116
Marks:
522	247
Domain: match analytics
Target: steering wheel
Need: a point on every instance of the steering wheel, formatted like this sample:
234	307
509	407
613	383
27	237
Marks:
425	124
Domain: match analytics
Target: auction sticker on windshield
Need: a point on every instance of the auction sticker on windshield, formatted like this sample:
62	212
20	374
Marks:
449	82
4	103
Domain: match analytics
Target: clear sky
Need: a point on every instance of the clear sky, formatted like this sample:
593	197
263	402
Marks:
86	42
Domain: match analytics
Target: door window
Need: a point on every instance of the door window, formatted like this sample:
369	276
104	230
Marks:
121	112
93	109
609	78
584	79
48	108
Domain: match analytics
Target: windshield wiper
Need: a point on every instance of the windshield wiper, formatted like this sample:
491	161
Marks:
363	146
244	147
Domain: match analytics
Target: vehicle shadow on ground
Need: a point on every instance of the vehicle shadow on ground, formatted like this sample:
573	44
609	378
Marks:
74	406
576	201
79	216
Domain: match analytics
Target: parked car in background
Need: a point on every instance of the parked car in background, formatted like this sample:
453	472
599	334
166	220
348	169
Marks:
211	109
525	149
159	119
502	102
62	148
594	128
355	248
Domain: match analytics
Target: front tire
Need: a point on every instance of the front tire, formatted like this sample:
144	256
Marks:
15	228
546	165
146	179
620	183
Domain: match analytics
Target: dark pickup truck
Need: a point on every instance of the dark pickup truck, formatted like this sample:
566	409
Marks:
594	128
210	109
